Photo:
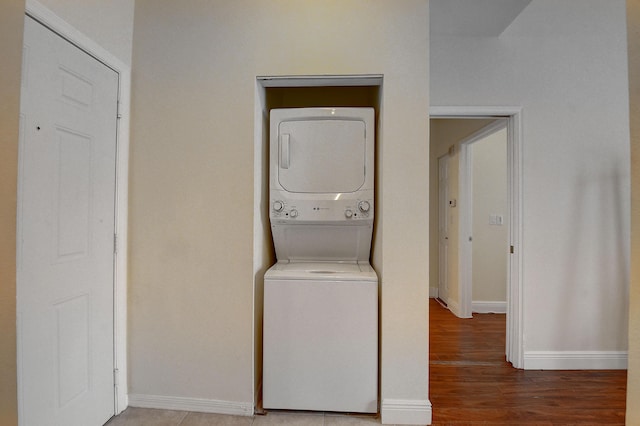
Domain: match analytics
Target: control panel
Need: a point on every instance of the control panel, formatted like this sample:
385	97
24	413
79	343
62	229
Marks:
322	210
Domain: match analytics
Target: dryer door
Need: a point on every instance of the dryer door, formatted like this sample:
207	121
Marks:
321	155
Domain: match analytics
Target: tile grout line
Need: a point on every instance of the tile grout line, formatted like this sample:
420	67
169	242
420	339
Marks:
186	414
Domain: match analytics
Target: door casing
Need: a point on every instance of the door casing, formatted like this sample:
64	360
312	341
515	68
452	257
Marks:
515	330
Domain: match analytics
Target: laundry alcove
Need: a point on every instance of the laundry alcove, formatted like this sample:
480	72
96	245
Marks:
294	92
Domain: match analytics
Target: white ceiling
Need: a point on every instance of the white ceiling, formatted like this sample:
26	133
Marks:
473	18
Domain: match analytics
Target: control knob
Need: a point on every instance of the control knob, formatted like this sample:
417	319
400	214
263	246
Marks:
348	213
364	206
293	213
278	206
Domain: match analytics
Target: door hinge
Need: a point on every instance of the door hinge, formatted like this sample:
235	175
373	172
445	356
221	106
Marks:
116	375
118	114
512	249
115	243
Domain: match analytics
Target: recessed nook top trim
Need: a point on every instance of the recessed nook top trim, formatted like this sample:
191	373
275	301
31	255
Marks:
321	80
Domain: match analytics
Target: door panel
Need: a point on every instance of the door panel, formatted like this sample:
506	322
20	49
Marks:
66	220
73	196
443	228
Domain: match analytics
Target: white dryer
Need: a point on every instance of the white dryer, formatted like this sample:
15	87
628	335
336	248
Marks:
320	341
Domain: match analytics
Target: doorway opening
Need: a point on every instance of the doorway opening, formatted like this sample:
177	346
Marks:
452	224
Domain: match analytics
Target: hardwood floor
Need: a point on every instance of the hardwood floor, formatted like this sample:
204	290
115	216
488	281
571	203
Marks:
472	384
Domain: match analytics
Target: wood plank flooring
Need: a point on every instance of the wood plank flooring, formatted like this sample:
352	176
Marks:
472	384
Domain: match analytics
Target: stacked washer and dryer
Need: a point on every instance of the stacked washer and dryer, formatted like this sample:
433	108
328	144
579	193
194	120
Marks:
320	341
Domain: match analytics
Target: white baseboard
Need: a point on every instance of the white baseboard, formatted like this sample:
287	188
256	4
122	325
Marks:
406	412
488	307
191	404
433	292
575	360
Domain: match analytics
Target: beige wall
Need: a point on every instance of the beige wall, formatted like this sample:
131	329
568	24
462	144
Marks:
108	23
445	133
11	27
489	192
192	180
633	375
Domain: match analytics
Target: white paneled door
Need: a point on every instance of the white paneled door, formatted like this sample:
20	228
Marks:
443	228
65	234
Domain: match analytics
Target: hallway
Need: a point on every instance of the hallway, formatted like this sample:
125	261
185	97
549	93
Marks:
471	383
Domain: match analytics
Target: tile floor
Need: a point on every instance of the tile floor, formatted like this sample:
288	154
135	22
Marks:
151	417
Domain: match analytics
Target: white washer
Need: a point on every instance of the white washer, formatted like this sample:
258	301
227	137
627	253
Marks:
320	341
321	337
